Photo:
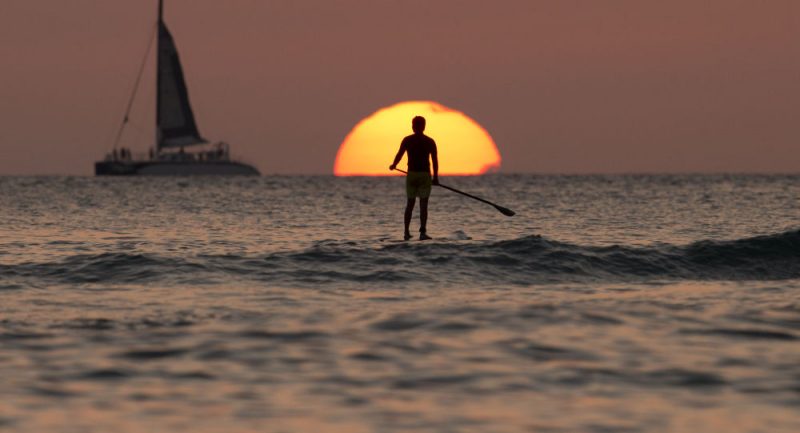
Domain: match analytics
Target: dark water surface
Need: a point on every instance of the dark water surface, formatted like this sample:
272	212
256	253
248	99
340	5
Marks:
288	304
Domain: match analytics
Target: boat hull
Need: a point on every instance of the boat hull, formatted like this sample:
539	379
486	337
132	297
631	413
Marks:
172	168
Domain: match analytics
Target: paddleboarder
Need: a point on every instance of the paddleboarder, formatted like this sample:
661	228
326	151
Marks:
421	151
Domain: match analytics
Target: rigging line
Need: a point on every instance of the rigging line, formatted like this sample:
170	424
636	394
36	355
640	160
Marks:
136	85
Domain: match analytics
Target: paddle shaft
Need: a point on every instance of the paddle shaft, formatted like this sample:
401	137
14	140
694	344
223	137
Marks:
503	210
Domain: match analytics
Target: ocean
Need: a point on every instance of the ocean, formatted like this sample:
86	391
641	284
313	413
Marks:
291	304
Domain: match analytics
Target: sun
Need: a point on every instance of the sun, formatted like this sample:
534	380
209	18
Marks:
465	148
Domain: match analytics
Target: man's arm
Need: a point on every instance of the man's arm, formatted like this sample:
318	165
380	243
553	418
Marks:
399	155
435	159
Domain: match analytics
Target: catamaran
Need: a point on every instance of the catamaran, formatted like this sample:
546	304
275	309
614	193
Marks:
179	148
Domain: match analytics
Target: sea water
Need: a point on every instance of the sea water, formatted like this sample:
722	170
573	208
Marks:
290	304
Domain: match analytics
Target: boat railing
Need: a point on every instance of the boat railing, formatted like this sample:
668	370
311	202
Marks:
220	152
124	154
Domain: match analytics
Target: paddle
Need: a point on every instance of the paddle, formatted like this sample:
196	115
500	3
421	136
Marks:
503	210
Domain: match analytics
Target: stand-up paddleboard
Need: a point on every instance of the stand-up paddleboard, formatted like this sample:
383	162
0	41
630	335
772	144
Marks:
456	236
393	240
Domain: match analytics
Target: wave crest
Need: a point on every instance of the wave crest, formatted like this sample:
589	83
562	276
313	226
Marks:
523	261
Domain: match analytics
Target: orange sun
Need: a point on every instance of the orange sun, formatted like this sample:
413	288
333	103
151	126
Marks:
464	147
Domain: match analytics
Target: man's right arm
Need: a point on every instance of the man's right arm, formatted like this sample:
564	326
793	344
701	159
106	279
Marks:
435	160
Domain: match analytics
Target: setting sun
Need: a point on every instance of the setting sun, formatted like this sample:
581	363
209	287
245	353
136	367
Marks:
465	148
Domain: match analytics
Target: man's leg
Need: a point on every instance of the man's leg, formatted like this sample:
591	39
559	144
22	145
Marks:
423	217
409	211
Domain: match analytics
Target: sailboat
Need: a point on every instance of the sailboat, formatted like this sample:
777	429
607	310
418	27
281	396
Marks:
179	148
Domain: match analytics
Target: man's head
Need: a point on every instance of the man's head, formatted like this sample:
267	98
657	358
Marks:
418	124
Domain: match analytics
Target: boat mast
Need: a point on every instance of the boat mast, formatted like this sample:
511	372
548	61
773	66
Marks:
158	75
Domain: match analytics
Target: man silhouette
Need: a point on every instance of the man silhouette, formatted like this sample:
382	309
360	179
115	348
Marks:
421	150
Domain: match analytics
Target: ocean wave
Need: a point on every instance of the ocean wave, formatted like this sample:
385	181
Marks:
522	261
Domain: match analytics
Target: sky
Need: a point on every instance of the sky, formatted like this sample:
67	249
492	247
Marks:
566	86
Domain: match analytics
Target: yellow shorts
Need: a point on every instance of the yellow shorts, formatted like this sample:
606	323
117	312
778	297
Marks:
418	184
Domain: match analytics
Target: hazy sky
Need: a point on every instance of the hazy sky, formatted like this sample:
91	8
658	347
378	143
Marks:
562	86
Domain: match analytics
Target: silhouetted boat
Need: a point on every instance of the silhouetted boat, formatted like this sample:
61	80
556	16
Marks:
179	148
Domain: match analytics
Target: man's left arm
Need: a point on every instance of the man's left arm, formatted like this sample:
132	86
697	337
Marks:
399	155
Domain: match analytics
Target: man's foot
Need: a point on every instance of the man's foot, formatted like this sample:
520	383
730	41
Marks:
407	236
423	236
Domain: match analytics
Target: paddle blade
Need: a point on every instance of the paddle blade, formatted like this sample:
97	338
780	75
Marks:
505	211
